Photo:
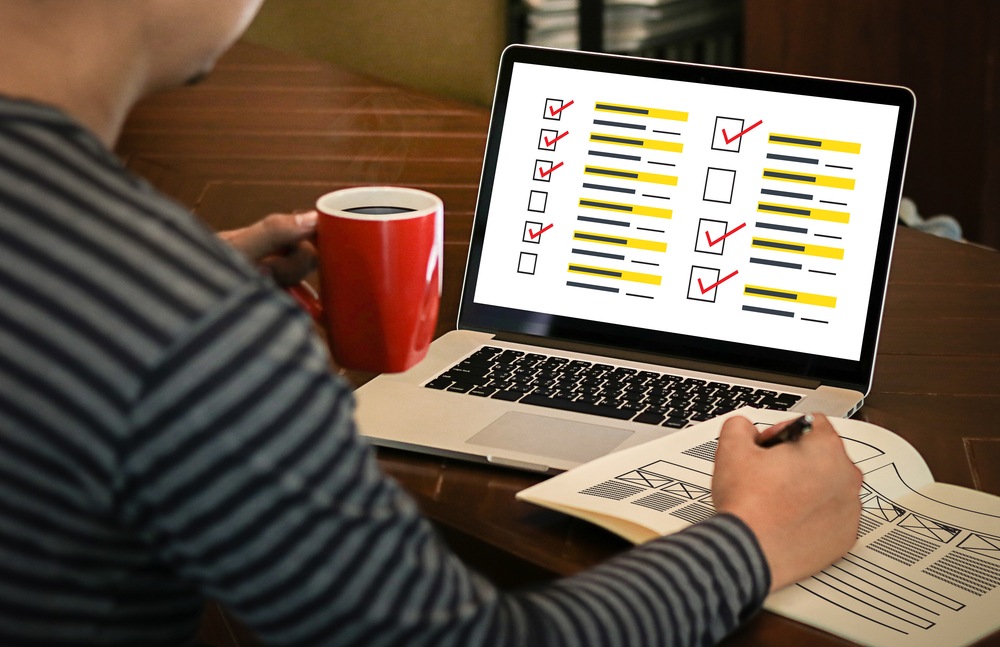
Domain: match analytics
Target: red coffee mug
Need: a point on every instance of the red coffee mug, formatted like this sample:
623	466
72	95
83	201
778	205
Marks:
380	257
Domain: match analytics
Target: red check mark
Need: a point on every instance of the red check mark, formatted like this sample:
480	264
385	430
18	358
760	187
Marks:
712	243
730	140
551	142
703	289
544	173
555	111
536	234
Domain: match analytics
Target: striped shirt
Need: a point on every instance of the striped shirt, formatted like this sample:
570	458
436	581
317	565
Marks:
170	432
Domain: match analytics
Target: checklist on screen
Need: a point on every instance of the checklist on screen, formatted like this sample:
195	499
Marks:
729	213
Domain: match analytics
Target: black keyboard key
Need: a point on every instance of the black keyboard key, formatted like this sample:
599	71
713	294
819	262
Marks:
508	356
460	388
484	354
650	417
483	392
675	423
466	373
439	383
726	407
508	396
579	406
554	363
663	409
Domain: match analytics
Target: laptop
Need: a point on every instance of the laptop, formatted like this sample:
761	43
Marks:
656	243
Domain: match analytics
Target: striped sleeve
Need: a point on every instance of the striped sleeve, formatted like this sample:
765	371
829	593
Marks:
170	430
247	477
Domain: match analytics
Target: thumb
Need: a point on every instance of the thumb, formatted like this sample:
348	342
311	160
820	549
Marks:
737	437
738	431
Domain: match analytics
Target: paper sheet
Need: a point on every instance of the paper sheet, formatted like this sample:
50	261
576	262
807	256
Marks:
925	569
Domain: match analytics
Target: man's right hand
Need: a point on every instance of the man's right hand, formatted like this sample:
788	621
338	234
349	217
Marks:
801	498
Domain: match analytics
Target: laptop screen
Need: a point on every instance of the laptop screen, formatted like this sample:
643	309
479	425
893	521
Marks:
720	215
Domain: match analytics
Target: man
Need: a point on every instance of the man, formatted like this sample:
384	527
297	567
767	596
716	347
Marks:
169	429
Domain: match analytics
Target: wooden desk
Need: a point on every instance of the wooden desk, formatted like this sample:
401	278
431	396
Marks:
271	132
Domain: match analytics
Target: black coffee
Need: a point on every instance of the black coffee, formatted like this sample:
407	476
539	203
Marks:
378	211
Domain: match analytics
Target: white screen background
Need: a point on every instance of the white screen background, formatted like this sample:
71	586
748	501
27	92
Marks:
768	277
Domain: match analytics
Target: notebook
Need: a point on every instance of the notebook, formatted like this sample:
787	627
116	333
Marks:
657	243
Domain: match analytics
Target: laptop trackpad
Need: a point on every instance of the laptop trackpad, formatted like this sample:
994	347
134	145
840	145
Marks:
550	437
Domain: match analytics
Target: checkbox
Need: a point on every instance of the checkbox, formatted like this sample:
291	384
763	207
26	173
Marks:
543	170
730	141
537	201
532	232
719	185
715	240
526	263
708	277
553	109
547	139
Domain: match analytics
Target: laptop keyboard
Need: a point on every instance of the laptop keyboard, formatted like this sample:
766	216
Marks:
616	392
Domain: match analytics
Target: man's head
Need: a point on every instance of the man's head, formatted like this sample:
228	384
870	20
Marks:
183	38
95	58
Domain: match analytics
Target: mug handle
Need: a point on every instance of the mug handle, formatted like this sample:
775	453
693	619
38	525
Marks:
308	298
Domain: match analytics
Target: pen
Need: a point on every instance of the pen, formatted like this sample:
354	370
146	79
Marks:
791	432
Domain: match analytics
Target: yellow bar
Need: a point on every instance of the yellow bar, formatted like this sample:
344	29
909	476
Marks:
797	248
619	241
814	143
809	178
804	212
621	208
638	176
670	147
626	140
787	295
639	111
618	275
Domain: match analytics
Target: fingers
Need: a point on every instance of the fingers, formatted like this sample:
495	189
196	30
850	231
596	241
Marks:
820	426
823	435
800	498
773	431
272	235
292	267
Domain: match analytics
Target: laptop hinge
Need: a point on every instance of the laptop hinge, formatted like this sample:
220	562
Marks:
660	360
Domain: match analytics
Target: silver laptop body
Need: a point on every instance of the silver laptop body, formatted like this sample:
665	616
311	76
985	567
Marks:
653	225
